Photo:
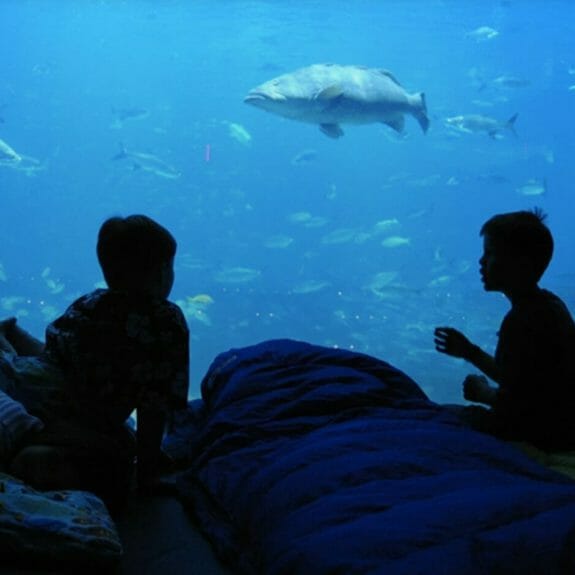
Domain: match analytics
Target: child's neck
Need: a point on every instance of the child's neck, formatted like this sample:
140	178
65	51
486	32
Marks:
522	292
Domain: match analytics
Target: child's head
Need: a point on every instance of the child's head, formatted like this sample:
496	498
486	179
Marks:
136	254
521	242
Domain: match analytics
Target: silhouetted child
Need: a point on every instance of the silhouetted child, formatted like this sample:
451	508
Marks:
534	363
117	349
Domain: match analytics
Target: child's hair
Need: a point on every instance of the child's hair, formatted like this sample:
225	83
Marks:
132	250
522	235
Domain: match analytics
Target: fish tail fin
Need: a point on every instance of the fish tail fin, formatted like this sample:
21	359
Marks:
420	112
510	124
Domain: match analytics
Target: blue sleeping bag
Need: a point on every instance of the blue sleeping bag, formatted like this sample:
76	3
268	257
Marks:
309	460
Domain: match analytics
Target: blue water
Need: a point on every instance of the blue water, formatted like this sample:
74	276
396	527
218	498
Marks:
284	249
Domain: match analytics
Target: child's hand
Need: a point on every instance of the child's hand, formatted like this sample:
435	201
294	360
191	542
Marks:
452	342
476	388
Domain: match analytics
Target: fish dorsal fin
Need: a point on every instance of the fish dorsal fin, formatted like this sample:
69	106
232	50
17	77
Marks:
389	75
330	93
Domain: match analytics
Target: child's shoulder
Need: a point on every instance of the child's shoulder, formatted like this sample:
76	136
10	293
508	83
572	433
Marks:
552	302
549	311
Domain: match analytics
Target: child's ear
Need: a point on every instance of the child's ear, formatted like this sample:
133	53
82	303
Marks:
526	267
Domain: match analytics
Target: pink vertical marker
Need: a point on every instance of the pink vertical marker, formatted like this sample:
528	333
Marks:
208	153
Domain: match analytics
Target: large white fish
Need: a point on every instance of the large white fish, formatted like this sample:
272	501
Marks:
330	95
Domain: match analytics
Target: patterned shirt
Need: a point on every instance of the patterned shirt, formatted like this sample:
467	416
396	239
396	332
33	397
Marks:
119	352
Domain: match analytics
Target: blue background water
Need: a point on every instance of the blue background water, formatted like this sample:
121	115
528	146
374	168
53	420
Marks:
284	249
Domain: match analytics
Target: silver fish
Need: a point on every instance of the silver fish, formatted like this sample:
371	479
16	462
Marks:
511	82
478	123
123	115
330	95
8	155
148	163
533	187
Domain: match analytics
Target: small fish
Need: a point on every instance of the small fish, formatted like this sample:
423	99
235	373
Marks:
278	242
10	303
533	187
55	286
148	163
339	236
202	298
122	115
3	276
492	178
483	33
330	94
476	123
194	308
299	217
304	158
510	82
395	242
384	286
238	133
8	155
381	280
440	281
309	286
237	275
316	222
385	225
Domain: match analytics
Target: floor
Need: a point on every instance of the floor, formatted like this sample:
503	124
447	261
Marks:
158	538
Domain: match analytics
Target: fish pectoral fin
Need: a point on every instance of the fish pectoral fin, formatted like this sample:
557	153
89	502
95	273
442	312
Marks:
330	93
331	130
397	123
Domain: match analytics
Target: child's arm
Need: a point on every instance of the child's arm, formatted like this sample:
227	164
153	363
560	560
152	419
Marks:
454	343
476	388
484	362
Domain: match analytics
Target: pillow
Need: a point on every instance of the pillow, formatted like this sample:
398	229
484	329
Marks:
15	423
56	526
